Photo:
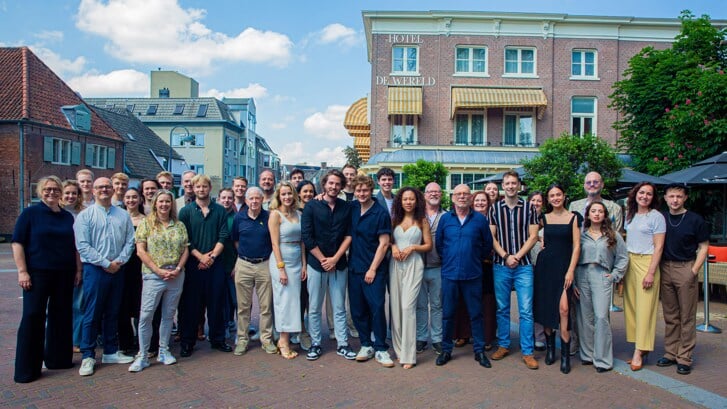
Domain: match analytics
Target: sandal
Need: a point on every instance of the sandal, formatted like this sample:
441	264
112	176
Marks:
286	352
408	366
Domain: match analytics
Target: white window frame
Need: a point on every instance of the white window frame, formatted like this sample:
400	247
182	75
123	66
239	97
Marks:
100	156
198	168
405	60
582	117
520	72
197	143
517	114
470	61
58	151
230	146
469	115
582	64
403	124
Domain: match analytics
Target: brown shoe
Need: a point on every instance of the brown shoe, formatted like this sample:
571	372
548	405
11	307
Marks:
500	353
530	362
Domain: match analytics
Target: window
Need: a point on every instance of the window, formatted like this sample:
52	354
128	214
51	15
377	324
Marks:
202	110
403	130
520	61
78	116
583	64
57	151
199	169
152	109
472	60
178	109
469	129
130	107
100	156
184	141
405	60
519	129
469	179
583	116
230	146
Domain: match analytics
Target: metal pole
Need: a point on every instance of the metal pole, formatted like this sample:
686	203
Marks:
706	327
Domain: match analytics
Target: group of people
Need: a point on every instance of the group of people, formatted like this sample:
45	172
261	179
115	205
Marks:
124	256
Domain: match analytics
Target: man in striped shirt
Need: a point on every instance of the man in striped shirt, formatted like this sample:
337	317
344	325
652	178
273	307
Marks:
514	226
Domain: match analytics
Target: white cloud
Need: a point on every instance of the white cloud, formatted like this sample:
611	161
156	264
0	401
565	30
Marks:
58	64
327	125
338	33
278	125
154	31
120	83
52	36
294	153
253	90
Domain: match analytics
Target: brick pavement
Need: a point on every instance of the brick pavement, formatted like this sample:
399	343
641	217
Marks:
212	379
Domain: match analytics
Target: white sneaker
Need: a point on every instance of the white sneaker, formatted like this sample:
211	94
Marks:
117	358
139	364
166	357
87	367
364	354
384	359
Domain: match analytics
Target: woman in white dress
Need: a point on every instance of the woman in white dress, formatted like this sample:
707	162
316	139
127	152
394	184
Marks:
411	238
287	264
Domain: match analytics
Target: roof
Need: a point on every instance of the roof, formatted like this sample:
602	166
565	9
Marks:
489	157
29	90
165	110
139	161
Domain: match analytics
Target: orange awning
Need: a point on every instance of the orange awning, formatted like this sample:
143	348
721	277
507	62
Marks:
478	98
405	101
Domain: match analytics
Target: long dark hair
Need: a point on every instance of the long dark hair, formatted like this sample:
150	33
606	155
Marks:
397	210
547	208
632	207
606	228
140	206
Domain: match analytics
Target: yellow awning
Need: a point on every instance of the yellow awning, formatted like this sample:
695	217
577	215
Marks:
357	115
405	101
468	98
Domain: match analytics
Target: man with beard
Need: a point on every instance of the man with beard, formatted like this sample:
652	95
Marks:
593	186
204	282
266	183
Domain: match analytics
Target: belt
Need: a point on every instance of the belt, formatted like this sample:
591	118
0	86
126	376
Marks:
255	260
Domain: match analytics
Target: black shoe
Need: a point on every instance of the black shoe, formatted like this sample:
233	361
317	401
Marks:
550	348
186	350
482	359
664	362
586	363
437	347
602	370
443	358
221	346
684	369
539	346
421	346
564	356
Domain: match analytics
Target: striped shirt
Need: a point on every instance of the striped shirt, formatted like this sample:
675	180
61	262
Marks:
513	227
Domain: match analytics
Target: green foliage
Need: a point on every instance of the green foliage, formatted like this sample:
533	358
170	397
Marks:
423	172
352	157
674	101
567	159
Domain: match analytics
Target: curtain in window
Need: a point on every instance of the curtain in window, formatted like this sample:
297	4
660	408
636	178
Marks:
461	130
510	129
477	129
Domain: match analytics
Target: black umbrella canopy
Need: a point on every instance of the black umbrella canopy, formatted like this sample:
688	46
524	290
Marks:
632	177
711	171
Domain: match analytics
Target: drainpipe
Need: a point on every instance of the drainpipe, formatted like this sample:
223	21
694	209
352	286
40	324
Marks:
21	170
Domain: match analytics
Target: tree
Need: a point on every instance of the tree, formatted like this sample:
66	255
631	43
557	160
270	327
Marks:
567	159
423	172
352	157
674	101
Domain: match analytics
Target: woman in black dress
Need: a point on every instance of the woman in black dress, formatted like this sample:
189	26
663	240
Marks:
554	274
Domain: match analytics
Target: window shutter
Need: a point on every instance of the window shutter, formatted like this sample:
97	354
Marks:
89	155
75	153
47	149
111	158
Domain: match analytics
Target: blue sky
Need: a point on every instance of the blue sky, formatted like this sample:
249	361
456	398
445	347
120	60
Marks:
303	62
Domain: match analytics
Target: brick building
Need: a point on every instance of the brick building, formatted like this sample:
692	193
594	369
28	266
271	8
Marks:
45	129
486	89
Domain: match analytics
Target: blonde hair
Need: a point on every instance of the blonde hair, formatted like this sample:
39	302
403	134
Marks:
153	221
120	176
44	181
79	201
85	172
201	178
276	203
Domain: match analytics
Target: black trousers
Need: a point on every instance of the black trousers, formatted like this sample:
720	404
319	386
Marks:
202	287
44	337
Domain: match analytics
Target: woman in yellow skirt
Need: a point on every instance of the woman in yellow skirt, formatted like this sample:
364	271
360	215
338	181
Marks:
645	230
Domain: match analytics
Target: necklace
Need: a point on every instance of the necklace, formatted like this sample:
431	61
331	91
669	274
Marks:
681	219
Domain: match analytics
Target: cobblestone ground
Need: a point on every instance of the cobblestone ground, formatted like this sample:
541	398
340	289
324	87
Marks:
212	379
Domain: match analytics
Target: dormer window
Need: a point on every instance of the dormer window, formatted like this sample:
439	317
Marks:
78	116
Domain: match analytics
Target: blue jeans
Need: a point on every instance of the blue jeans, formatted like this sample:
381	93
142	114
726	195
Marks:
102	294
429	306
521	277
77	314
334	283
367	309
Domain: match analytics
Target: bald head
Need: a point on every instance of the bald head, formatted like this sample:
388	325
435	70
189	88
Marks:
593	184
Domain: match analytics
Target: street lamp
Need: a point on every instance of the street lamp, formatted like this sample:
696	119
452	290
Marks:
186	138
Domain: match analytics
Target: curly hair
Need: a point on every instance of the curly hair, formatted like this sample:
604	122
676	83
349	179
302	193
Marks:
397	210
606	228
632	207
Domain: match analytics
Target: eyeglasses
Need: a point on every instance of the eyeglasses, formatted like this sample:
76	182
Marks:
461	194
433	192
51	190
103	187
592	182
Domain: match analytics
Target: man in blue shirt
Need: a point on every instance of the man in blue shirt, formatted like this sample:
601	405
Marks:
105	241
367	271
463	240
326	232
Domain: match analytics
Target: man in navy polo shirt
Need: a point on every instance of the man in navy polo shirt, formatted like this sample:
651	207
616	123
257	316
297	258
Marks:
367	271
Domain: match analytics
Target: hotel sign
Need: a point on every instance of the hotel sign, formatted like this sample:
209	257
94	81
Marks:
404	80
